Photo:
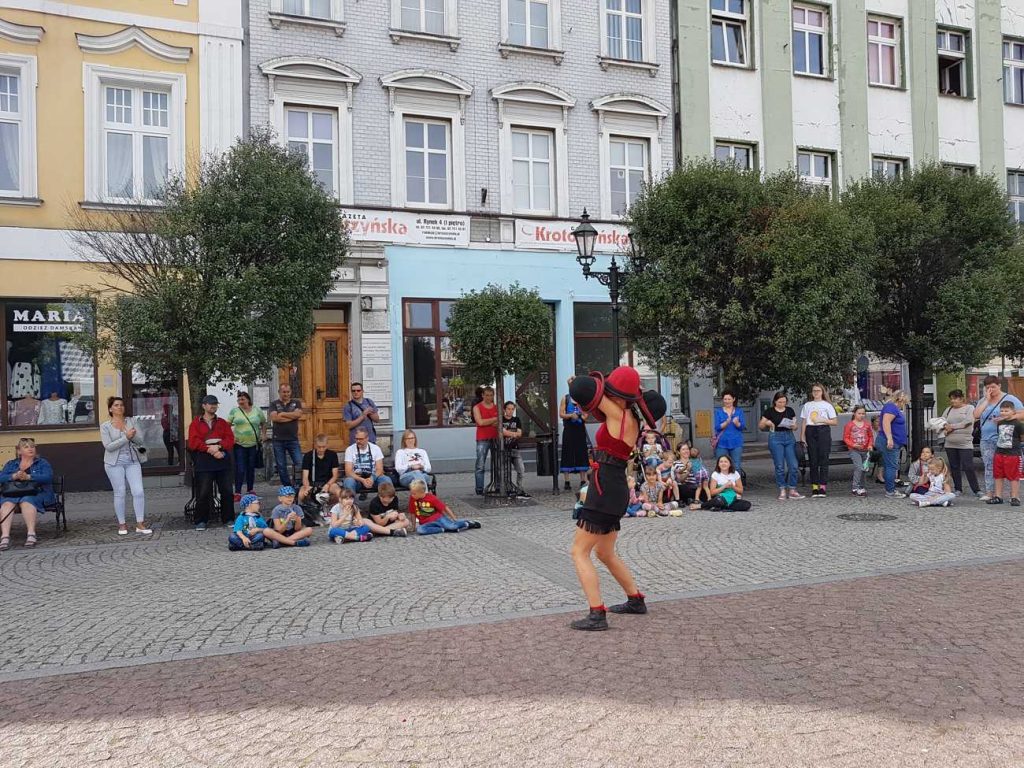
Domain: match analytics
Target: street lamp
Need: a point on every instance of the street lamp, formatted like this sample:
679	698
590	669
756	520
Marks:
614	278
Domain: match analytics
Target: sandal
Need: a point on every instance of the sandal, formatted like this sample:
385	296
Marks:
30	541
5	543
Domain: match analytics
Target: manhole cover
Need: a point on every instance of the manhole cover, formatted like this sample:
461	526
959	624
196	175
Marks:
867	517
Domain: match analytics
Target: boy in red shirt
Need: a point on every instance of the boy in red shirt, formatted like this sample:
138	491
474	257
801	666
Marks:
432	516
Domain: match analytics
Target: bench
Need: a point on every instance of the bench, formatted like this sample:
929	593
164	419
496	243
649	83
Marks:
57	507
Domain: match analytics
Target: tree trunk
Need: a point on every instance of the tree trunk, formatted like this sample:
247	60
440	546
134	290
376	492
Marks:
196	391
917	373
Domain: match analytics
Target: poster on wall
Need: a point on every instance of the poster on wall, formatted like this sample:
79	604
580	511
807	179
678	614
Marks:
406	228
535	234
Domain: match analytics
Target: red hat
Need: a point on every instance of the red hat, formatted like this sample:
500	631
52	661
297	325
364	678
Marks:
624	382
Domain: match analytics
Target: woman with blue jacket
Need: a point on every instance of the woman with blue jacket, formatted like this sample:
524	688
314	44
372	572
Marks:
729	428
35	473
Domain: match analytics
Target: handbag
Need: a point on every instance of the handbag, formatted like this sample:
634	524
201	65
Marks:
16	489
258	463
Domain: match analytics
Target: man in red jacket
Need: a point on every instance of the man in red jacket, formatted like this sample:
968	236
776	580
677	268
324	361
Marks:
210	441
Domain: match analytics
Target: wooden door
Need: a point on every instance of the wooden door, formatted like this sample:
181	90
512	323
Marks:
321	381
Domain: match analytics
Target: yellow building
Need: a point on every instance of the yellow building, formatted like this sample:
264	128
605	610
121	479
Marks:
100	100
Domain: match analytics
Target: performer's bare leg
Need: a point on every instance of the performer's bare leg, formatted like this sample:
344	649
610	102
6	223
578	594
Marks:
605	551
582	545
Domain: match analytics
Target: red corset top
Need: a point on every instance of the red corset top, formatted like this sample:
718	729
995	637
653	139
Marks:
605	442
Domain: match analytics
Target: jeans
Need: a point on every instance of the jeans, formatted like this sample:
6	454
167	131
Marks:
130	474
204	495
988	452
858	457
442	525
245	466
736	454
819	447
890	461
282	450
356	487
962	460
782	446
406	478
483	450
235	542
516	460
333	533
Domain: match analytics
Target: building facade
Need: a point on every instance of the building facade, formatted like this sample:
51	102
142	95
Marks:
463	140
99	104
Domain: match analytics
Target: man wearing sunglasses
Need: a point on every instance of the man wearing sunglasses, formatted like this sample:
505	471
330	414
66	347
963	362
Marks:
360	412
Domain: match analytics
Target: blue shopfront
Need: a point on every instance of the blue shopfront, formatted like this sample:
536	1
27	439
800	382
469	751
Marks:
430	394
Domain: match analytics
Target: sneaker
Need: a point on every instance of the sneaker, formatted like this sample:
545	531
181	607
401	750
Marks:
399	532
596	621
818	494
366	537
523	495
794	495
958	493
336	539
238	497
323	497
782	495
983	496
994	500
473	524
675	512
567	487
632	605
1014	502
923	503
860	492
200	526
946	503
275	545
302	543
895	495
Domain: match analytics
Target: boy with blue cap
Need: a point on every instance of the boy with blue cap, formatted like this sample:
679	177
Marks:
247	532
286	528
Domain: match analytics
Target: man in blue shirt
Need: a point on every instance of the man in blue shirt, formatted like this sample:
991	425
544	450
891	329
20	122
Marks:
986	413
360	412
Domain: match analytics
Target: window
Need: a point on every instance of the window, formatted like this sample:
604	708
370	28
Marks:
890	168
592	337
953	72
628	170
17	127
740	155
624	20
529	23
533	170
427	177
320	9
729	32
134	133
1015	191
959	170
314	135
436	394
426	16
1013	71
883	52
47	378
810	33
815	167
157	408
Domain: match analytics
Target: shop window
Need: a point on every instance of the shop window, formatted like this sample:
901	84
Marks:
156	407
48	378
436	392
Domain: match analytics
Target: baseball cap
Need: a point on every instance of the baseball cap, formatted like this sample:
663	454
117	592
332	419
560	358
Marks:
211	400
248	499
285	490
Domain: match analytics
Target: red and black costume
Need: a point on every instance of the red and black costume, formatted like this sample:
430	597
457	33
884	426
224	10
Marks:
608	494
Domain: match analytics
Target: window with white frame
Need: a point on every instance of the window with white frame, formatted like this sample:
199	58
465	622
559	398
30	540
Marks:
317	9
729	31
624	23
136	142
629	169
313	133
428	178
735	153
884	62
810	36
17	127
953	72
1013	71
815	167
1015	191
426	16
529	22
888	167
533	171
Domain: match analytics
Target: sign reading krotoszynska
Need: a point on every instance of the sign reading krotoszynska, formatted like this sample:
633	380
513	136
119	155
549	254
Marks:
557	236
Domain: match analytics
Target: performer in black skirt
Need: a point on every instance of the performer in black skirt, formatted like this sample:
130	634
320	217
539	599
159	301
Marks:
620	404
575	447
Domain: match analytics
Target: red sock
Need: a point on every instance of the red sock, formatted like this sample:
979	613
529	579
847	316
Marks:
600	608
639	595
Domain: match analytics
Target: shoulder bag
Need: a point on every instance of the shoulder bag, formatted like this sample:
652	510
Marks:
16	489
258	463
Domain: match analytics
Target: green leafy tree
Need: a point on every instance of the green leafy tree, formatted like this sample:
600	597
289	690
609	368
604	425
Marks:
222	280
763	280
947	262
500	331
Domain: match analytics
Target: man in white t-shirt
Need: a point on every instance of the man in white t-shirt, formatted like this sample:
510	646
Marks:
364	464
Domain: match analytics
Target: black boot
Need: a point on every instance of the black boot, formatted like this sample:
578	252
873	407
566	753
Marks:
596	621
632	605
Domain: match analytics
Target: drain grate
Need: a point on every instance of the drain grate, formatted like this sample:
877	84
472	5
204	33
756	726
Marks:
867	517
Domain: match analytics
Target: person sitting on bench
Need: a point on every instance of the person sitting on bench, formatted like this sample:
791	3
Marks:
364	464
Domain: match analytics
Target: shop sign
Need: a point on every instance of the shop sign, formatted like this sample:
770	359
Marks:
407	228
534	234
47	321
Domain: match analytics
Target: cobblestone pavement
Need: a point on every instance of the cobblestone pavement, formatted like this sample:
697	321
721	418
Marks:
91	600
919	670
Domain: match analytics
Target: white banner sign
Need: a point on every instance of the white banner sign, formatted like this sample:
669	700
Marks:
407	228
557	236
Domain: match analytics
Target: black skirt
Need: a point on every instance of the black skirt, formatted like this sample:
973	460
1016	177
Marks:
575	452
607	496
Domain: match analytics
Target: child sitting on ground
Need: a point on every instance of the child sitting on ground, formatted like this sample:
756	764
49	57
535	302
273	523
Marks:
697	481
681	465
652	493
385	519
347	523
666	476
247	532
918	472
635	505
286	528
432	516
940	489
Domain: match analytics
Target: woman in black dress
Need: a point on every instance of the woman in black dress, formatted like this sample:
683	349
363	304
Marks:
575	448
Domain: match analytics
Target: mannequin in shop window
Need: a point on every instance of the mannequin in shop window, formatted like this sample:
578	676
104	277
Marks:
53	410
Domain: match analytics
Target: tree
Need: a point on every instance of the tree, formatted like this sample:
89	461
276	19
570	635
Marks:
500	331
763	280
221	281
947	261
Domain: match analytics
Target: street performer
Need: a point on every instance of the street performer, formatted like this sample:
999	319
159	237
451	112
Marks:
618	402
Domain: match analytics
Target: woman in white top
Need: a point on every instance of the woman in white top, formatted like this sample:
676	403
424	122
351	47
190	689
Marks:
726	487
123	454
817	418
411	461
